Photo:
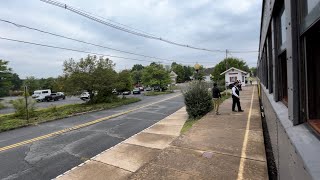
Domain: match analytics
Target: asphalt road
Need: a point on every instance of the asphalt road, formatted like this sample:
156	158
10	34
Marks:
48	158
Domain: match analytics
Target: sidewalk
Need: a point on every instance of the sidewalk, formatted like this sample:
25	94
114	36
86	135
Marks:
122	160
228	146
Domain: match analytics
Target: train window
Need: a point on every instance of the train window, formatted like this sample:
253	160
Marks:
313	73
283	79
283	26
312	4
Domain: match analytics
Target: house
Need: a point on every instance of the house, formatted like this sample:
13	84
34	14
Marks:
173	77
234	74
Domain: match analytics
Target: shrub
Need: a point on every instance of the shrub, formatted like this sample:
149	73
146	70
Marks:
20	107
197	99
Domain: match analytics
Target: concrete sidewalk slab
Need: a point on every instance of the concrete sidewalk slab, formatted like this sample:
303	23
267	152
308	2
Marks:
127	156
96	170
157	141
155	172
167	129
228	146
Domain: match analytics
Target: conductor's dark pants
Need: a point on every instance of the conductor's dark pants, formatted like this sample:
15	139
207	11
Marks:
235	101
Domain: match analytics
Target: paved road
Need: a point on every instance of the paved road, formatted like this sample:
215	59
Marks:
45	159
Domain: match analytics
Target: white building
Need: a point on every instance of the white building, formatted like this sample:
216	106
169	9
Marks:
234	74
173	77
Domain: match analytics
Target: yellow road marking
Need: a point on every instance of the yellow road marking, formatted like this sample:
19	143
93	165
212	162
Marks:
245	142
80	125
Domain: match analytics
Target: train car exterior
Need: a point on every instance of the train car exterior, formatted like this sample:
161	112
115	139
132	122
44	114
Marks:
289	79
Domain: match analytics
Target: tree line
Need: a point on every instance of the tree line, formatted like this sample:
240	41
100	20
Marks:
97	74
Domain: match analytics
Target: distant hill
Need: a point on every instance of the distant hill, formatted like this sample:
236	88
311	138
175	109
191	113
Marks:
208	71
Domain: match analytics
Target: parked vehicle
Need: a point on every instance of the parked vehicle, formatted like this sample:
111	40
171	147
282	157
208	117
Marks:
85	96
136	91
62	95
148	89
141	88
54	97
126	92
156	88
40	95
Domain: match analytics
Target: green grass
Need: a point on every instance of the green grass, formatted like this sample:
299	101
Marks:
2	106
190	122
9	122
153	93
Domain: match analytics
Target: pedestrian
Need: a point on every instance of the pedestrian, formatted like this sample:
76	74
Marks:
216	98
236	98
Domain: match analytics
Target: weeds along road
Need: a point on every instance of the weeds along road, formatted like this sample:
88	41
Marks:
25	155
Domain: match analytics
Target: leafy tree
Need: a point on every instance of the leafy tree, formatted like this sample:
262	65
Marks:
188	72
179	70
93	75
32	83
124	82
226	64
155	75
47	83
137	67
5	78
16	82
200	74
253	71
136	76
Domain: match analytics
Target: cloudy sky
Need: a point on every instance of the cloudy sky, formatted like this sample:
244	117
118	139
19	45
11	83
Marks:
210	24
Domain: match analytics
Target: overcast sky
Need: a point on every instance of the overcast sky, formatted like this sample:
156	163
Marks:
211	24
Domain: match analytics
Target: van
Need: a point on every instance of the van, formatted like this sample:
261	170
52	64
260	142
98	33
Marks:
40	95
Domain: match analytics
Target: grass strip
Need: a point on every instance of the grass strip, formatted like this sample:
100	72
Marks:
9	122
191	121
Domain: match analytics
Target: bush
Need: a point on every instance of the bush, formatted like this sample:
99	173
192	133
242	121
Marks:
20	107
197	99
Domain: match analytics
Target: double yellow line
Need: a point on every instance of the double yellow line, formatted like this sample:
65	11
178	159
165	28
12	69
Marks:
80	126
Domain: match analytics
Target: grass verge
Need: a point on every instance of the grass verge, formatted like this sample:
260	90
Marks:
191	121
152	93
2	106
9	122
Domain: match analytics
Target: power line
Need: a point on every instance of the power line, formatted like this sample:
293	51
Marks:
87	15
90	43
81	41
70	49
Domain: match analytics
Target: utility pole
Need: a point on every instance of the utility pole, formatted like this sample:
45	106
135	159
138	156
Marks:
226	66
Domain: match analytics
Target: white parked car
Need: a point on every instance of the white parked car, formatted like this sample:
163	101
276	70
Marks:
40	95
85	96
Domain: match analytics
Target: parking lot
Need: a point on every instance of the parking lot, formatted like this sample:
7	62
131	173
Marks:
69	100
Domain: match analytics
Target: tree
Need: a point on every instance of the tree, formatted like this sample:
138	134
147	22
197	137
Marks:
155	75
16	82
179	70
226	64
32	83
5	76
253	71
136	76
200	74
137	67
124	82
92	75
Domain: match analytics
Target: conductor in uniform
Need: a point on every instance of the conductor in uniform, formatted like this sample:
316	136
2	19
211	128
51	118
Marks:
236	98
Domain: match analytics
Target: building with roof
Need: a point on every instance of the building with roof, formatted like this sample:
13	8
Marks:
233	74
